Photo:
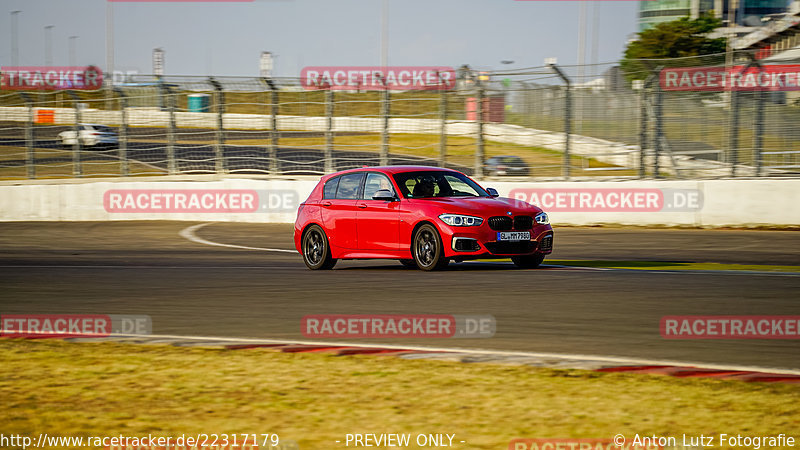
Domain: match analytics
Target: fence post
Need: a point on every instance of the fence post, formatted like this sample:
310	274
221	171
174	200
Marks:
166	101
443	132
220	165
30	158
329	130
565	169
758	138
123	132
734	125
733	137
642	86
273	135
385	112
480	150
172	165
77	170
659	125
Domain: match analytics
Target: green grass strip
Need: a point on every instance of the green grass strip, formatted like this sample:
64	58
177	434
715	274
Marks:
669	265
98	389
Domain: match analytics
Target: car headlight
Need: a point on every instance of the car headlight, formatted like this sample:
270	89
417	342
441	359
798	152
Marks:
542	219
459	220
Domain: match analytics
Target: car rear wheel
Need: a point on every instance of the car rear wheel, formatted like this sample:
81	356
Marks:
427	249
527	261
316	252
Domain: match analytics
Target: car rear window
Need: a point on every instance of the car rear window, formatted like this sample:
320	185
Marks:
348	186
330	188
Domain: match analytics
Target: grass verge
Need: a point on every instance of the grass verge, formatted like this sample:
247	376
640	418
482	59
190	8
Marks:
107	389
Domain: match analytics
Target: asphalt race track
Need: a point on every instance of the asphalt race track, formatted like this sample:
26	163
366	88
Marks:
190	288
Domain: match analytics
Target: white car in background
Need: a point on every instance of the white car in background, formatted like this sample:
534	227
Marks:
91	135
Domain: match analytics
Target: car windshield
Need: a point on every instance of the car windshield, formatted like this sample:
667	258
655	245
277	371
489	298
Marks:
427	184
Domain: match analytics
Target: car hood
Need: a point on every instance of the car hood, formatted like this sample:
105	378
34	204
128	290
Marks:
486	206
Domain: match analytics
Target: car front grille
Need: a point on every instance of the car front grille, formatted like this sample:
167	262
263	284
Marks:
547	243
500	223
523	223
511	247
465	244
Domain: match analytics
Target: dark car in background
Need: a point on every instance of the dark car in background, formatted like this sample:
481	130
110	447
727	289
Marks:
507	165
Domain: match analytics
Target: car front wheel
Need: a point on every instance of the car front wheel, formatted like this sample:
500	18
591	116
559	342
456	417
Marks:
316	252
528	261
428	250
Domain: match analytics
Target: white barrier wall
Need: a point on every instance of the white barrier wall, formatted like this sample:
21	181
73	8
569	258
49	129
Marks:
714	203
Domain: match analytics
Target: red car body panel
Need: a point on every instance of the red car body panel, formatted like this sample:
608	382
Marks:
366	228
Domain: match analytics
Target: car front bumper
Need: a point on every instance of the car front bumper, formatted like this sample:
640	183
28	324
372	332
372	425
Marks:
481	242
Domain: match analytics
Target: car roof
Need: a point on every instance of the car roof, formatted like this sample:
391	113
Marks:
391	170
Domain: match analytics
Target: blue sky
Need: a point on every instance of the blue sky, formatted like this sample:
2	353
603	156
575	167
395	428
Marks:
228	38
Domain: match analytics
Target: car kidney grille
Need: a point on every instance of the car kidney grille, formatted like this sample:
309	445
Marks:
500	223
523	223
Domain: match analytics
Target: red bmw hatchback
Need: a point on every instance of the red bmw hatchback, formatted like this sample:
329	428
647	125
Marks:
423	216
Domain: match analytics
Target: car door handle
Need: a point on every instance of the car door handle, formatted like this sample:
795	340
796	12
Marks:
362	205
326	204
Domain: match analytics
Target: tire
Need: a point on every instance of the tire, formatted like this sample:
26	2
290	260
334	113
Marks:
528	261
408	262
316	251
427	249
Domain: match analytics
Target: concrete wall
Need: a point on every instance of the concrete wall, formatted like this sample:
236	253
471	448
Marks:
757	202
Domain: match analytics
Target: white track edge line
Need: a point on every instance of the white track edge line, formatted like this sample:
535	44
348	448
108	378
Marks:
189	233
611	359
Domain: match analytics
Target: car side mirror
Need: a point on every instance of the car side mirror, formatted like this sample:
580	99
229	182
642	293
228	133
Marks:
384	194
492	192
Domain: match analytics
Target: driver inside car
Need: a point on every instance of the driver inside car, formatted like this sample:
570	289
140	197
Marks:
425	187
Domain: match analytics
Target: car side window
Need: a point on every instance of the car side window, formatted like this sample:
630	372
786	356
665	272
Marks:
330	188
349	185
375	182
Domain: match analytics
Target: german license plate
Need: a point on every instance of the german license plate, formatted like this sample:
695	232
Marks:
513	235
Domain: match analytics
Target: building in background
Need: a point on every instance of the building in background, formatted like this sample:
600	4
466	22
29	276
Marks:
265	65
749	12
